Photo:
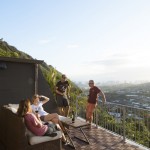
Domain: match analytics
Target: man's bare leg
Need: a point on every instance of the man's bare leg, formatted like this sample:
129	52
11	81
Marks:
61	111
66	110
87	116
90	117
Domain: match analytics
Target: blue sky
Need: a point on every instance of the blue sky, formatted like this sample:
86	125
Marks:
104	40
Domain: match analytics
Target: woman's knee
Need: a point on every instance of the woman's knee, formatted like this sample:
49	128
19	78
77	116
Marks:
55	120
55	115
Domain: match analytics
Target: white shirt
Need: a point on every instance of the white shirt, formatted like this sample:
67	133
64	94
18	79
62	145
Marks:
40	109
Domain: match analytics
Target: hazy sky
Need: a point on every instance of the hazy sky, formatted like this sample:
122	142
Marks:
102	40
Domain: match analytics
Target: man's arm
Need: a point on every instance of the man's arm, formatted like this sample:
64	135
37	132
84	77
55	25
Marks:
103	96
58	92
68	91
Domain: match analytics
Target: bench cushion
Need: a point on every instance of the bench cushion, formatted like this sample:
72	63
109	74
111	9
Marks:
40	139
33	139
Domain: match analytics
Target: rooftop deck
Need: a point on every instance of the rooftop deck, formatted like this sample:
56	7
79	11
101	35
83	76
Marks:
100	139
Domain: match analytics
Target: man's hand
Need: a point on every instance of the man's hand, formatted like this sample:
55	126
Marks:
96	104
68	96
103	102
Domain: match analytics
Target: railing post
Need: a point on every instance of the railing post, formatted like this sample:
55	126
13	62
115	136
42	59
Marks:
96	118
124	111
76	114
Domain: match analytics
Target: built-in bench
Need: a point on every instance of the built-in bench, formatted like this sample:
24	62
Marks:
14	134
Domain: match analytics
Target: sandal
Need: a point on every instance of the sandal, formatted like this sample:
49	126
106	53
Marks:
66	142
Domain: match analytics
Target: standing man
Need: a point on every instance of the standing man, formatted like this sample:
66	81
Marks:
94	93
62	96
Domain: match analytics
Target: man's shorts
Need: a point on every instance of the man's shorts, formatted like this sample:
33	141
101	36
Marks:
62	101
90	107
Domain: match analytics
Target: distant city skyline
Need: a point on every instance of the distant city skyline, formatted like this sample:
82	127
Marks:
100	40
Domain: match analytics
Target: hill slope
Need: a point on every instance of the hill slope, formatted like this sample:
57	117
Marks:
50	73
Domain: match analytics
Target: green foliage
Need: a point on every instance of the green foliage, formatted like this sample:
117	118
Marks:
53	76
9	51
50	73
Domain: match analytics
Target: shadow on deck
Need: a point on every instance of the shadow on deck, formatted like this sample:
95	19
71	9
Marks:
99	139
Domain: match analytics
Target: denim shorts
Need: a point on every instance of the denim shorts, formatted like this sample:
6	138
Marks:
51	129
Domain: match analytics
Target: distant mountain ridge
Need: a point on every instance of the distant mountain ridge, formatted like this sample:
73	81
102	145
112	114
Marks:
128	86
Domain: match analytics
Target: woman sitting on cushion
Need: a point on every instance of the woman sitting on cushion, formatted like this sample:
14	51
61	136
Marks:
37	106
34	123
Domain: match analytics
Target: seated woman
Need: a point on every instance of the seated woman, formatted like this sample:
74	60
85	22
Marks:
34	123
44	116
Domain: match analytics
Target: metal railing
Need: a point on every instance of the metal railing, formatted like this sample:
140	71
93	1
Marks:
129	122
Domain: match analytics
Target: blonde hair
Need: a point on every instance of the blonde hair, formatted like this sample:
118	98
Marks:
24	107
34	97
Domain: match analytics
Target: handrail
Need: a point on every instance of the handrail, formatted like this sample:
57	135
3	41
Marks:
130	122
127	106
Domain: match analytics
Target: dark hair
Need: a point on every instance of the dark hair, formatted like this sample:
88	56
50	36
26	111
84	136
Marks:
91	81
63	76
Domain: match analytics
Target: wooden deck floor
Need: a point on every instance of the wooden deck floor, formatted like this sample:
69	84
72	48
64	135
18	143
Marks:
99	140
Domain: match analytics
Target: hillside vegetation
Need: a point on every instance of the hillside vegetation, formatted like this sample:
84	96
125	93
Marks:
50	73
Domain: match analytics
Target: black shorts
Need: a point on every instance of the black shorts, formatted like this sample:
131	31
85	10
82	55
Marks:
62	101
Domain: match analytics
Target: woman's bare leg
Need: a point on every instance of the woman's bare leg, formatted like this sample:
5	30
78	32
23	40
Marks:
54	118
63	136
50	117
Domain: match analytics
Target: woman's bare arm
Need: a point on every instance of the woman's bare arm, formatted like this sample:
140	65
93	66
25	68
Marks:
46	99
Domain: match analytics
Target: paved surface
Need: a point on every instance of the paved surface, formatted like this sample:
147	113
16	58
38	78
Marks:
99	140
